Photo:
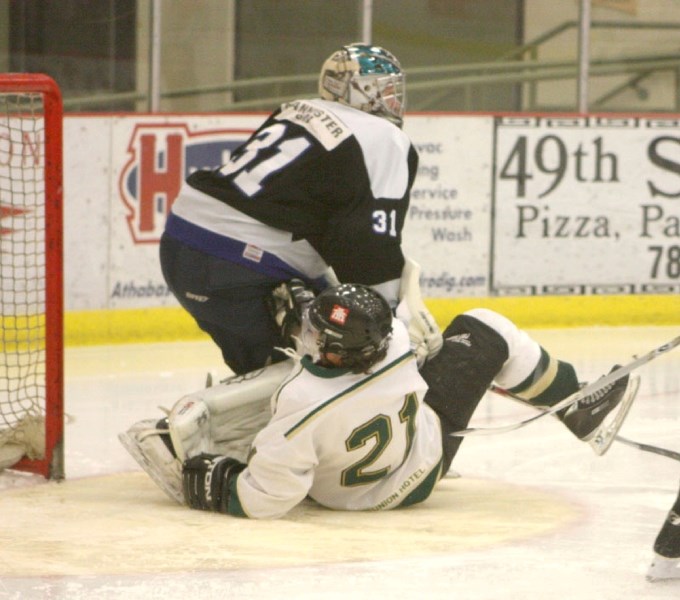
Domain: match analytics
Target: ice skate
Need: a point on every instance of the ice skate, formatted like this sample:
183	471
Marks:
148	442
587	419
666	563
663	568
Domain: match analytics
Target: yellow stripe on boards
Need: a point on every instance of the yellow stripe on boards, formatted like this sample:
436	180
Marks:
549	312
538	312
144	325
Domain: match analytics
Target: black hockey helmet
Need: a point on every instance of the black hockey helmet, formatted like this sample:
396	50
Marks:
353	321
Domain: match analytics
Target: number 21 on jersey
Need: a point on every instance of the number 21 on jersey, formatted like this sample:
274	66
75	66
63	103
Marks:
378	432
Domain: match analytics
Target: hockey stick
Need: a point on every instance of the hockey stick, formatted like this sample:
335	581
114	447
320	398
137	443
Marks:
589	389
649	448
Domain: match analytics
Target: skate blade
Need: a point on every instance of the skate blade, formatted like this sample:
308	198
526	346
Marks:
664	568
130	444
603	438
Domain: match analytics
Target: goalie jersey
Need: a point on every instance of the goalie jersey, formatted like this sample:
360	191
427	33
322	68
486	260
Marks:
348	441
318	184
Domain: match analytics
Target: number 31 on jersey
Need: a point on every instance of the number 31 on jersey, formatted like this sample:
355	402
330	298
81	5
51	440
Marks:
385	222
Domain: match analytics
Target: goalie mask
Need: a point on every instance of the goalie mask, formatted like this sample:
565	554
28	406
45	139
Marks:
351	320
365	77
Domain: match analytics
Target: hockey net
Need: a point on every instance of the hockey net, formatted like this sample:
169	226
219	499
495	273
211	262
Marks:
31	280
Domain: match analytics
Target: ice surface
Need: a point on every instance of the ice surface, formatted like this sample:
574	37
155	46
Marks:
535	514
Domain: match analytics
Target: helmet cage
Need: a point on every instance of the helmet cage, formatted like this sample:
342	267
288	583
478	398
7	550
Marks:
368	78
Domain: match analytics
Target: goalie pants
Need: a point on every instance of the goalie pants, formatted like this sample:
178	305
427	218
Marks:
229	302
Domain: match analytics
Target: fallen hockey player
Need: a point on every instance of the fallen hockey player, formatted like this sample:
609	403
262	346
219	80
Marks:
353	421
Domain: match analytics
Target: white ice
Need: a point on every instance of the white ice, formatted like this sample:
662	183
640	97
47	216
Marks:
534	514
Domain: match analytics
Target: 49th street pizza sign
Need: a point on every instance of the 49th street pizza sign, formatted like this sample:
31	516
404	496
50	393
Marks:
585	205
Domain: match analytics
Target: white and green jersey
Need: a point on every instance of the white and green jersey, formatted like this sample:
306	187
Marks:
349	441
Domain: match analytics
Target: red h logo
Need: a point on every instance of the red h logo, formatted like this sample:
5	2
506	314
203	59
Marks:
152	178
160	157
158	185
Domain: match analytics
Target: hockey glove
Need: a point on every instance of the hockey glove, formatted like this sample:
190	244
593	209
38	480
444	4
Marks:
289	301
206	480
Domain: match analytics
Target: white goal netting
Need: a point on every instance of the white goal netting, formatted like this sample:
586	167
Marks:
23	276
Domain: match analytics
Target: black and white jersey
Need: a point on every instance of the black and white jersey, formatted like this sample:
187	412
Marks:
335	179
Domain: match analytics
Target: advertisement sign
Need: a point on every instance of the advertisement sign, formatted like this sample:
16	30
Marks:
505	206
586	205
447	227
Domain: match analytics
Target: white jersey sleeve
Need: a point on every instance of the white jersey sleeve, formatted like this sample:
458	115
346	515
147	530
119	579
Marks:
349	441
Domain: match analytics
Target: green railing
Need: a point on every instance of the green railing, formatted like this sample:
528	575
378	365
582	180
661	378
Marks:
521	65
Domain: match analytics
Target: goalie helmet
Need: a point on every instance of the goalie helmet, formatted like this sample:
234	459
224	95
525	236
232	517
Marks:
351	320
365	77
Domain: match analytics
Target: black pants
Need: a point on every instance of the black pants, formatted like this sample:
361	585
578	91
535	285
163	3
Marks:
458	377
229	302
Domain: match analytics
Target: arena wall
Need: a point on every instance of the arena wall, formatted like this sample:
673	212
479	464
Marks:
554	220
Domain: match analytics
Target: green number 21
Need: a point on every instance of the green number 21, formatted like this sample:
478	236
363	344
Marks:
378	429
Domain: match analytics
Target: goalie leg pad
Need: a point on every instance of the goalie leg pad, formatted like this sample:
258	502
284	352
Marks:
225	418
145	444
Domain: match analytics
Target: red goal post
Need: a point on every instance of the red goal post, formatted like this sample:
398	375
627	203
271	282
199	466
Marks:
31	275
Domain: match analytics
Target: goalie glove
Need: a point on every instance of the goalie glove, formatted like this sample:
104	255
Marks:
423	332
288	303
207	480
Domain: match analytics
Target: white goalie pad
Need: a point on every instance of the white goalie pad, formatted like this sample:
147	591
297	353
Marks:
144	443
426	338
225	418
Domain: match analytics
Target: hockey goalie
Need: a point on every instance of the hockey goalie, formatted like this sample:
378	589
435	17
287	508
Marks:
364	414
